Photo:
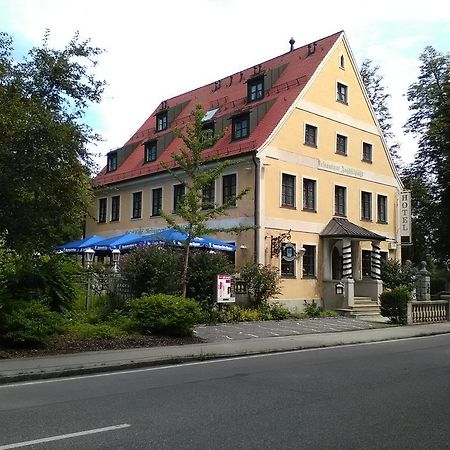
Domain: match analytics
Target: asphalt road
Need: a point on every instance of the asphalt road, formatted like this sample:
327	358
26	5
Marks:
392	395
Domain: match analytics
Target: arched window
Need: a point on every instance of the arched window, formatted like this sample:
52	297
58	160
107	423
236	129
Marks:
342	62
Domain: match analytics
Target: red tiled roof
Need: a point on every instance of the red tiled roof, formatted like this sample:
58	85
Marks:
230	98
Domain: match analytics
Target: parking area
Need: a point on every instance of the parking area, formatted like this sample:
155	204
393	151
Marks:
272	328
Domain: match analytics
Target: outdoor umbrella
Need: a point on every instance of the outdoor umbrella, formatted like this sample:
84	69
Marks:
114	242
80	245
175	237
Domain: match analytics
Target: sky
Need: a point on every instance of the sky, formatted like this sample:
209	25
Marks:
155	50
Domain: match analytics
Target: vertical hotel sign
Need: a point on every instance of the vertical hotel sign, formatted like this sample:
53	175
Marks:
405	216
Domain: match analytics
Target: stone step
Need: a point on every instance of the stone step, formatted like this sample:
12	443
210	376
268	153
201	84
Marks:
363	299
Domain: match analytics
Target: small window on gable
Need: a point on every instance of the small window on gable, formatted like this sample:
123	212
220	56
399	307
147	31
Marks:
162	121
255	89
367	152
342	62
241	126
150	151
342	93
112	162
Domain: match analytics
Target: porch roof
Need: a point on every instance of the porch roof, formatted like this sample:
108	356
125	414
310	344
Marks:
339	227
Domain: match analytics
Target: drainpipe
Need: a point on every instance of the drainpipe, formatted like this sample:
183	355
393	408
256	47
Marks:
257	208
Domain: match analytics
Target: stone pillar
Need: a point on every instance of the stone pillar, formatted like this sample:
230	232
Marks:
349	291
375	257
347	268
423	283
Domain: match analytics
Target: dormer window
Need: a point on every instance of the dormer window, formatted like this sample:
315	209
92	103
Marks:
241	126
112	162
255	89
162	121
150	151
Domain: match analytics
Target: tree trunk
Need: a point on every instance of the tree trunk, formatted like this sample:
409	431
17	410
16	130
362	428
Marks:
185	267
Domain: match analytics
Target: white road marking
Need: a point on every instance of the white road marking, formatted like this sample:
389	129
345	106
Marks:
64	436
216	361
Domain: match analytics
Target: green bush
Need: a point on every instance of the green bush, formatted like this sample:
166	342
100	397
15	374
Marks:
237	313
394	304
153	269
47	278
202	274
30	324
394	275
312	310
165	314
278	312
263	282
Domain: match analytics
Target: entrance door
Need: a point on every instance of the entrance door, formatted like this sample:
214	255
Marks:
336	263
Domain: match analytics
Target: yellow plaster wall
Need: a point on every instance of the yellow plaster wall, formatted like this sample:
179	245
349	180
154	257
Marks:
245	209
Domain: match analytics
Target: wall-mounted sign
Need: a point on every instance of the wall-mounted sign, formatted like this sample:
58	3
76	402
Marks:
405	216
225	289
341	169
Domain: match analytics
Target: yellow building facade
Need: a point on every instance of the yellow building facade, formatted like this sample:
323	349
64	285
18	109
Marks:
324	192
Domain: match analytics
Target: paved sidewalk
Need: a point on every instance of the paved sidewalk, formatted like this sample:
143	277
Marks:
91	362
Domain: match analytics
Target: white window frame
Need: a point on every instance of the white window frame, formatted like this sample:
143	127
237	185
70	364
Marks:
371	205
317	134
295	189
315	245
346	144
132	206
348	92
387	207
295	275
151	200
111	209
362	151
316	194
345	200
221	186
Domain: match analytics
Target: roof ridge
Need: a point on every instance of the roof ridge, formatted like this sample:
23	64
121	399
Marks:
253	65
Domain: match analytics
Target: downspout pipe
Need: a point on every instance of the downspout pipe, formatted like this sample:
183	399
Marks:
257	208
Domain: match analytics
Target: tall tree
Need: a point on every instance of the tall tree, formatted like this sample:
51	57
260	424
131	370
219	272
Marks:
430	122
373	81
197	173
45	165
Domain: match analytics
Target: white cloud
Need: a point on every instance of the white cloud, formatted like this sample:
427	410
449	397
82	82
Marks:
156	50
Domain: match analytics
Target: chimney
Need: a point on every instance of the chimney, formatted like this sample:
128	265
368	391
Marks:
292	42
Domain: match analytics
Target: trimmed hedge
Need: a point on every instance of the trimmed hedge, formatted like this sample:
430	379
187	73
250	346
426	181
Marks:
165	314
394	304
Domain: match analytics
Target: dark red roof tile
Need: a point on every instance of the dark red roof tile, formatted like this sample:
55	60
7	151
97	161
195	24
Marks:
230	98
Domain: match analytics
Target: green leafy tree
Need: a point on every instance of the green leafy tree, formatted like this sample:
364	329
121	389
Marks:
197	172
424	212
373	81
430	122
45	165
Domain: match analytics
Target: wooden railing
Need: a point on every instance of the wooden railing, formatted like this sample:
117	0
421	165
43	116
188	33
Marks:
428	311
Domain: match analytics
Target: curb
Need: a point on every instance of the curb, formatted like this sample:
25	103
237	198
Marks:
102	367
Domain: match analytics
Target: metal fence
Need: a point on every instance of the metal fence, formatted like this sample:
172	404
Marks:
100	290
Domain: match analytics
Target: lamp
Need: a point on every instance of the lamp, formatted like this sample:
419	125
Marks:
115	258
89	255
339	288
